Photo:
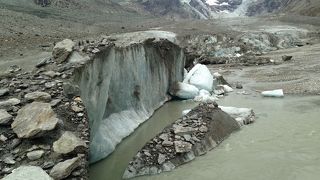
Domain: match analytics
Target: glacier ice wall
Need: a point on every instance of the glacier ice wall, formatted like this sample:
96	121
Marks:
123	85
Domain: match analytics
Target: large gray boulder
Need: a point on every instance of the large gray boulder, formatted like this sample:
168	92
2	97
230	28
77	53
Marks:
65	168
67	143
5	117
62	50
34	119
28	173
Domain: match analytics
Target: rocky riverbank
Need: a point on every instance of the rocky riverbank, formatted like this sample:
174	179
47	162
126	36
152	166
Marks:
43	124
199	131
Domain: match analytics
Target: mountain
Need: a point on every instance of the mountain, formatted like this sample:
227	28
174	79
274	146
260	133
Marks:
300	7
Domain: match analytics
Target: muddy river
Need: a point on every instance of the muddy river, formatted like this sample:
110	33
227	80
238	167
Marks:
282	144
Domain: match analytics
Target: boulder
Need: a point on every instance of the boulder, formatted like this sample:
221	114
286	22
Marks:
65	168
5	117
184	90
28	173
38	96
201	77
62	50
67	143
34	119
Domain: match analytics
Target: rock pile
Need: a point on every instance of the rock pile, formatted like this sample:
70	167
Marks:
201	130
43	129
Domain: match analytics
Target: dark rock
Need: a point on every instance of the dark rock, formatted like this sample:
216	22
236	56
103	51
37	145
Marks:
286	58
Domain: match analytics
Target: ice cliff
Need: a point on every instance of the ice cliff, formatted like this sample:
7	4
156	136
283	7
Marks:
123	84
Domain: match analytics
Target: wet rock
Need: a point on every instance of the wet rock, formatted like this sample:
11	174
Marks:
62	50
239	86
34	155
67	143
4	92
5	117
28	173
181	146
286	58
65	168
38	96
34	119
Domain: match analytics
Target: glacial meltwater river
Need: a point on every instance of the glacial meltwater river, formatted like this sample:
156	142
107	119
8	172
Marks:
283	143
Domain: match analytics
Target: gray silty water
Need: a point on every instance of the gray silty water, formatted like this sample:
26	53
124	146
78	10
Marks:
282	144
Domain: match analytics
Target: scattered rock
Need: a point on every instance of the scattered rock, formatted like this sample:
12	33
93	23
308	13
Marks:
34	155
34	119
167	143
67	143
51	74
70	90
43	62
9	103
65	168
28	173
9	160
62	50
55	102
4	92
49	84
180	130
5	117
38	96
76	108
3	138
239	86
286	58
